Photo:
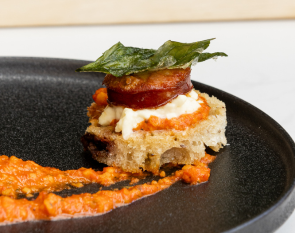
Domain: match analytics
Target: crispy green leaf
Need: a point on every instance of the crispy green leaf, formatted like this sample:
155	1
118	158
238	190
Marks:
120	60
206	56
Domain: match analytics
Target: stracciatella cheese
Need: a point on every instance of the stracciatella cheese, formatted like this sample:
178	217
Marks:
128	119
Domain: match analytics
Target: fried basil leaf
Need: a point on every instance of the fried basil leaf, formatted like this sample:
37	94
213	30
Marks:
120	60
206	56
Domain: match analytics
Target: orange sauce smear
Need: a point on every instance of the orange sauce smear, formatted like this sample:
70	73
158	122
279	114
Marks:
49	206
178	123
27	177
100	97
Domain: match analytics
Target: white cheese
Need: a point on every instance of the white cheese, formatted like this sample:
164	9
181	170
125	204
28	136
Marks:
129	119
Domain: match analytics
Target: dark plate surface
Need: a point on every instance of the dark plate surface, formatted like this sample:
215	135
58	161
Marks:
43	115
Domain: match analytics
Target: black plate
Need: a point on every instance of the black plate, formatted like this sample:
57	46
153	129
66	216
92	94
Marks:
251	189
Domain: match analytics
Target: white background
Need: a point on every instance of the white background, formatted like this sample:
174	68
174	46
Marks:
260	67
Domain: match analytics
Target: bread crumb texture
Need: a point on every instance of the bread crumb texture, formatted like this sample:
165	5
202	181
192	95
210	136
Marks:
148	151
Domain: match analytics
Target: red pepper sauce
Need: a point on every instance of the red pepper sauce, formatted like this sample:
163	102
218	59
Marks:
100	97
27	177
179	123
48	206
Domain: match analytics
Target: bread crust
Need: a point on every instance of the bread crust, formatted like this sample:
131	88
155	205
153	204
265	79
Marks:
148	151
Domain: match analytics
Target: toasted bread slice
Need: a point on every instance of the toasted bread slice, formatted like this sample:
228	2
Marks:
148	151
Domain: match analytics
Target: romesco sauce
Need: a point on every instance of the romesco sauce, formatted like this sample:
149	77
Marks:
27	177
179	123
49	206
100	96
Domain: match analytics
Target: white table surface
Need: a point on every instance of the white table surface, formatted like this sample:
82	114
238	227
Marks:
260	67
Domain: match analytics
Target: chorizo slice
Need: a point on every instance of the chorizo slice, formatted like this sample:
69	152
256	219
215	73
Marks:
148	89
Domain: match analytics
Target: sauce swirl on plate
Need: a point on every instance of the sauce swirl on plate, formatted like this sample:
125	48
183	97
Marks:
49	206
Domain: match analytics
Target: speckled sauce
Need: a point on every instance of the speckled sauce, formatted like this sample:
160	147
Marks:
27	177
179	123
49	206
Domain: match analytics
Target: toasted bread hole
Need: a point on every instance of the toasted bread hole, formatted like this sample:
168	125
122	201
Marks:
196	143
129	157
175	155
